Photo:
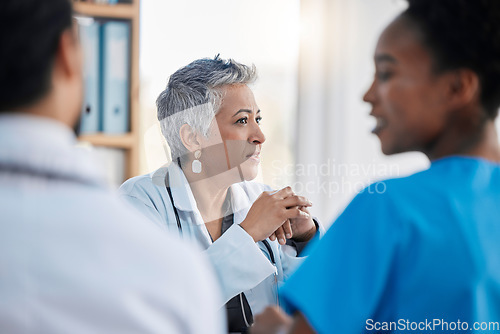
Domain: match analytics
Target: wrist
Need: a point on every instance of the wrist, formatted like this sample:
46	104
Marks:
306	236
247	229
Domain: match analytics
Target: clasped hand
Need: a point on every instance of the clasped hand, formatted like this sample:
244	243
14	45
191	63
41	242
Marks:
279	215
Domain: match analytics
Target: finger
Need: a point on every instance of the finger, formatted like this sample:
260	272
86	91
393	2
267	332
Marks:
305	209
295	220
283	193
296	201
287	228
296	213
280	234
272	237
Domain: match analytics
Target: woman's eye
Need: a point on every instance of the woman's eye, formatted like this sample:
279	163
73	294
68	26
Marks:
258	120
243	120
384	75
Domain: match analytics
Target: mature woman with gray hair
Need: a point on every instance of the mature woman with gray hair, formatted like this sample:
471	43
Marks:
211	122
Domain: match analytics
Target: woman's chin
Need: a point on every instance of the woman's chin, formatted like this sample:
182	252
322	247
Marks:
250	170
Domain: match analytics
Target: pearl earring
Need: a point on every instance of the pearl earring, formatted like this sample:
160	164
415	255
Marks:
196	165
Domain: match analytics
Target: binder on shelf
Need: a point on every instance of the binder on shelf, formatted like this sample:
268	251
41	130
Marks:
89	35
115	39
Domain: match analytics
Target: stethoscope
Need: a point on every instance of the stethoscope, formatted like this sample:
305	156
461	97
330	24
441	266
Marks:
179	226
265	242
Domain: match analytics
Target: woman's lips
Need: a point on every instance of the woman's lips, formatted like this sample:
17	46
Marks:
254	156
381	124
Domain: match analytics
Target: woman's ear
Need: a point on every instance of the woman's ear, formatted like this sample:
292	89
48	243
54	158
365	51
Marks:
189	138
464	88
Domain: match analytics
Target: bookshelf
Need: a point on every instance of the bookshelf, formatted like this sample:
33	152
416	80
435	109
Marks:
129	142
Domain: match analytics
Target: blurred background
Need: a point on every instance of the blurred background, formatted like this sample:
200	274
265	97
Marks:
314	59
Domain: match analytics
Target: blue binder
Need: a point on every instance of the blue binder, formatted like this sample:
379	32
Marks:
115	38
89	35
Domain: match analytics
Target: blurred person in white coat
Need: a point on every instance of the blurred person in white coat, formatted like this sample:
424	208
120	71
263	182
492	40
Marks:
73	258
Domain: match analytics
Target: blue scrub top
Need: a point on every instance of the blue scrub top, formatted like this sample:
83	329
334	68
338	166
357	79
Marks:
413	250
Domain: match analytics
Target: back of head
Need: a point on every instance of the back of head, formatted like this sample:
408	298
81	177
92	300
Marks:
29	35
463	34
193	96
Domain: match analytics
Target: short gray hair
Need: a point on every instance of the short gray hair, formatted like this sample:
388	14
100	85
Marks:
193	96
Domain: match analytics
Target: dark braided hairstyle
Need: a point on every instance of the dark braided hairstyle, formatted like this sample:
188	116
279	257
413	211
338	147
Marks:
463	34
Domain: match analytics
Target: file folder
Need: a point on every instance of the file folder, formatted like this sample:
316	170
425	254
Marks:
89	36
115	38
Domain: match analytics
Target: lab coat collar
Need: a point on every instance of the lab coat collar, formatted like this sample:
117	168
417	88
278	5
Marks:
184	198
42	146
181	191
240	200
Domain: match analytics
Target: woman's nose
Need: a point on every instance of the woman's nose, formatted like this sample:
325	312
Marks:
257	136
370	94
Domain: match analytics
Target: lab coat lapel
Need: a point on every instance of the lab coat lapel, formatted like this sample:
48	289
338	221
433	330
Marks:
240	202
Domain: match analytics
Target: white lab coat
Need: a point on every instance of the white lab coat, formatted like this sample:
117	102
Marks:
75	259
241	264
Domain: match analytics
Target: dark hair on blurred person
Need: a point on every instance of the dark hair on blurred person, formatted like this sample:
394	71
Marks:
30	31
463	34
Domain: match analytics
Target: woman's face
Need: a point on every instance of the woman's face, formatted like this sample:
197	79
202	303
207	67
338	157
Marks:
237	126
408	100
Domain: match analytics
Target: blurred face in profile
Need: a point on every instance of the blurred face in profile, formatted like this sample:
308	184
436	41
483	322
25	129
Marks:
407	97
235	138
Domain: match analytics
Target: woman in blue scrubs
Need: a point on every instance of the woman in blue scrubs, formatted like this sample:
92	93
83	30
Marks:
211	121
419	253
